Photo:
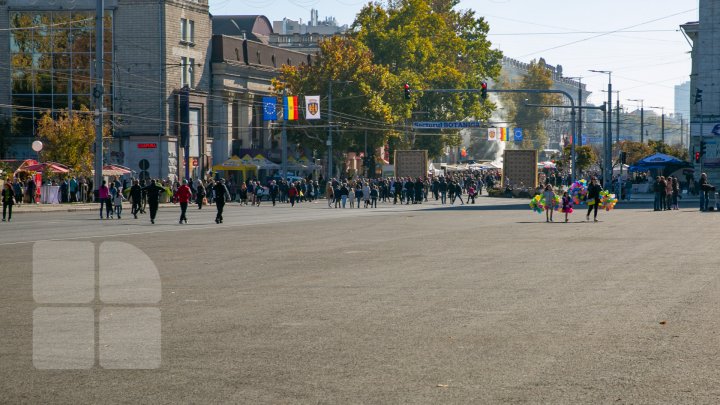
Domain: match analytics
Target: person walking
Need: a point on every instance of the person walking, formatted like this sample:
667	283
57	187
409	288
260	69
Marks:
103	197
549	196
374	193
18	189
668	193
292	194
274	190
117	202
593	198
675	193
351	196
329	194
221	195
112	192
658	191
200	197
135	197
8	200
153	192
183	196
567	205
704	188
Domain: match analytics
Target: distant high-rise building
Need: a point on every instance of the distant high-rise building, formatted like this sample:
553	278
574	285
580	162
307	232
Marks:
682	99
327	27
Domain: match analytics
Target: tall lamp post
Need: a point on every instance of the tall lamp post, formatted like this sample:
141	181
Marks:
642	118
662	130
330	125
607	172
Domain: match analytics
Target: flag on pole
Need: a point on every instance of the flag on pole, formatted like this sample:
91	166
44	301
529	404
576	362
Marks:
290	108
269	109
312	107
492	134
503	134
518	135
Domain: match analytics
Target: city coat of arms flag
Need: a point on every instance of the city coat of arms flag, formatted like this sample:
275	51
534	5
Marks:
312	107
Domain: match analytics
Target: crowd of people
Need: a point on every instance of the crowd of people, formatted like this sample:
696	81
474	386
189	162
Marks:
451	188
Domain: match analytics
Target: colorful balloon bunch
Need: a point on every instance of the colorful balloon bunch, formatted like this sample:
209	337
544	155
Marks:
607	200
558	203
537	204
578	192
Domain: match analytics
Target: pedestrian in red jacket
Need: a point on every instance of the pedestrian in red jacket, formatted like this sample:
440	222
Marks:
183	196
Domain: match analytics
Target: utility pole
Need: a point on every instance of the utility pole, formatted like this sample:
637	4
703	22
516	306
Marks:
642	118
329	140
617	120
283	140
662	130
607	172
98	92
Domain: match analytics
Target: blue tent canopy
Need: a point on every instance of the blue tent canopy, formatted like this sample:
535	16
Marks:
659	161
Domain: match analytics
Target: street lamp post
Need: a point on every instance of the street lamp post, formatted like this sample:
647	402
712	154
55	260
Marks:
642	121
662	123
607	173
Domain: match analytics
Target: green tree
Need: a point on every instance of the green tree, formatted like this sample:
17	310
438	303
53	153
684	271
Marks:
432	46
425	43
585	157
531	119
672	150
69	140
635	151
362	94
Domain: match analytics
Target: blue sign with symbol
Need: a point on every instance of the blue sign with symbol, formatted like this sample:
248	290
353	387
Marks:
518	135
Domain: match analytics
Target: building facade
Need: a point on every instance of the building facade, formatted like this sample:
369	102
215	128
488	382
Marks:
705	77
152	50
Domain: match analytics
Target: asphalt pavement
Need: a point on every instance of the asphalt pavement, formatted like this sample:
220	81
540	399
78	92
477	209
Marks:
420	304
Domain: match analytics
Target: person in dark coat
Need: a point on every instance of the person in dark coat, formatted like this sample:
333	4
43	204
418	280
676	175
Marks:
221	195
274	190
593	198
419	190
8	200
136	197
153	192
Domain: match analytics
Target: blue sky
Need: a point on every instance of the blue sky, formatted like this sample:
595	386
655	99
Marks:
639	40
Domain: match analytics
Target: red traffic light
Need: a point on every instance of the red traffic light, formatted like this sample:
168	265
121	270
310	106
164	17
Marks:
407	86
697	157
483	85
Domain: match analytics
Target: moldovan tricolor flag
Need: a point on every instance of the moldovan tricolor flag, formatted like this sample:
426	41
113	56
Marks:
312	107
290	108
492	134
503	134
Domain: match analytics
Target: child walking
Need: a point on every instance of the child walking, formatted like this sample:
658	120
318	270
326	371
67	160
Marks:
549	196
117	202
567	205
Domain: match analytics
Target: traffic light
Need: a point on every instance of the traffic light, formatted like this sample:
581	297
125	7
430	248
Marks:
698	96
697	157
623	157
703	148
407	91
483	90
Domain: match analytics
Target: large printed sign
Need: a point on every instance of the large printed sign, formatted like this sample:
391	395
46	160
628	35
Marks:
520	168
411	163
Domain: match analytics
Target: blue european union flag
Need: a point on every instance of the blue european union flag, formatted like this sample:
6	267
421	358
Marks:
269	109
518	135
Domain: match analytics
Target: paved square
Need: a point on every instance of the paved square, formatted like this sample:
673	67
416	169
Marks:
481	304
